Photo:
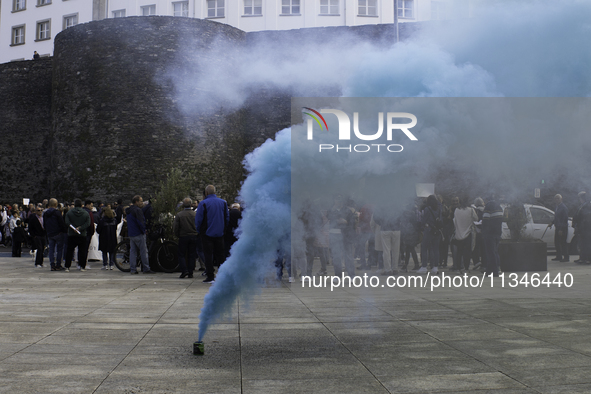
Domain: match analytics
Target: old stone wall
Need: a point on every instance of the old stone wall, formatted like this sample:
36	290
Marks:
101	120
25	129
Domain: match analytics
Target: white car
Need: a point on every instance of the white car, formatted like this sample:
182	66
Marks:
538	219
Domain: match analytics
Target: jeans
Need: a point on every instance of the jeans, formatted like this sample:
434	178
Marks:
491	250
560	235
56	242
340	250
431	246
213	248
187	253
391	246
108	257
138	243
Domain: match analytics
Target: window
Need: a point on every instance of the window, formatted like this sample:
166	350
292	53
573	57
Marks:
215	8
253	7
70	20
290	7
329	7
119	14
43	2
405	9
18	35
43	30
181	8
437	10
540	216
19	5
368	7
149	10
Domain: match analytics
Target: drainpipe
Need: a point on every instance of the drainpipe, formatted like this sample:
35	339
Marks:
396	19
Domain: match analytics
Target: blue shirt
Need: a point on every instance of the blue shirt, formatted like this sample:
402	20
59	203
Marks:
212	216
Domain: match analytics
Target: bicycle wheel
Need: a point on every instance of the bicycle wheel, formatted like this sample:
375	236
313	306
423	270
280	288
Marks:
167	256
122	256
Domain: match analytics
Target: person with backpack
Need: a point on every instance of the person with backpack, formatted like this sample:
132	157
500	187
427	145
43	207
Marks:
432	224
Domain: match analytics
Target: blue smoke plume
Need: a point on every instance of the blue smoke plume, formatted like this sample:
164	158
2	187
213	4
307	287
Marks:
265	224
528	49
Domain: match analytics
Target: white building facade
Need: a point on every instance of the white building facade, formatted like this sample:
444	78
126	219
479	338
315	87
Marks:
30	25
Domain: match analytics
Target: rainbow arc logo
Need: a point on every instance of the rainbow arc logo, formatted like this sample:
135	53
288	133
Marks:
315	118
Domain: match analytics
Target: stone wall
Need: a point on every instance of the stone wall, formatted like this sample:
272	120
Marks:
25	129
101	119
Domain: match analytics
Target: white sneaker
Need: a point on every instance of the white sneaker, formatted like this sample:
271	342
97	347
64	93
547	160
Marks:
82	270
104	267
434	270
111	267
291	279
422	270
66	270
87	266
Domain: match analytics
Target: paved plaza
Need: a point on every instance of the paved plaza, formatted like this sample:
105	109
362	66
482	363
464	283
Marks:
110	332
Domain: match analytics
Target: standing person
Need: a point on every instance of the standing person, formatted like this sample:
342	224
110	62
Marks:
35	55
211	220
432	234
582	223
107	231
464	218
492	222
342	223
18	237
88	207
235	215
55	226
390	234
38	233
184	228
478	252
119	211
561	232
410	235
77	221
136	230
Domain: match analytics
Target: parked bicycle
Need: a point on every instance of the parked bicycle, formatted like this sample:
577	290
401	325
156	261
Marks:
162	253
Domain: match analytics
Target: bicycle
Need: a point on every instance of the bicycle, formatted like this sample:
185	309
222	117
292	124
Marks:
162	254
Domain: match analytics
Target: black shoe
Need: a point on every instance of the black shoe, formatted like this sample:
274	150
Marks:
149	272
201	269
190	275
135	273
183	275
54	269
203	273
209	280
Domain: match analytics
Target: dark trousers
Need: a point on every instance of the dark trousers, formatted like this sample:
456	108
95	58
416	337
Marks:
213	248
200	253
410	250
560	243
491	250
39	242
80	242
16	248
431	243
187	253
463	253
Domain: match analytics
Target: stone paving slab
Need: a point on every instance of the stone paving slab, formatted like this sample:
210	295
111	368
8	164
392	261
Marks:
110	332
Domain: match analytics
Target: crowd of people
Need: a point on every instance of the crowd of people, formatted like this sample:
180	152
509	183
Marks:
343	234
467	230
57	230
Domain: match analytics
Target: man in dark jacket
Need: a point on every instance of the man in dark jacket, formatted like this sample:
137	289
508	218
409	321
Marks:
136	230
561	231
55	226
77	221
107	231
492	227
37	232
184	228
211	220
